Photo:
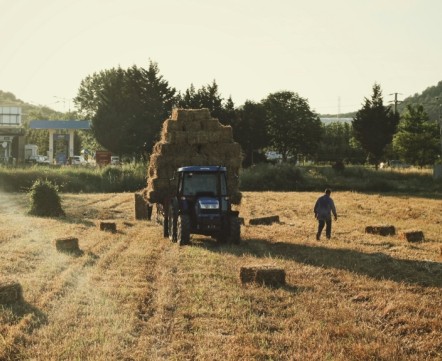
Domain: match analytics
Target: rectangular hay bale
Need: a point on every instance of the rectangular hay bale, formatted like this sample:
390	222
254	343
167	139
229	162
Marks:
413	236
264	220
67	244
381	230
262	275
10	292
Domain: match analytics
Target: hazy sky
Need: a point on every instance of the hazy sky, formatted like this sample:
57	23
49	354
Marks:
329	52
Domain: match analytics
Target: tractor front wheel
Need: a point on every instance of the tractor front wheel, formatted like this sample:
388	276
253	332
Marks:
235	230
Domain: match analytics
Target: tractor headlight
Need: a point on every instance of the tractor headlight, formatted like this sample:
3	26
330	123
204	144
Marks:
212	204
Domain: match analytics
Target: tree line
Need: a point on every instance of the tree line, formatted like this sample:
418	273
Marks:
128	106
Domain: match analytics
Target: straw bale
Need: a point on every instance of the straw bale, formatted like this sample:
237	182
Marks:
413	236
223	134
10	292
264	220
177	137
199	159
198	137
190	126
381	230
171	125
141	206
161	148
108	226
190	114
154	196
210	124
160	183
263	275
67	244
164	172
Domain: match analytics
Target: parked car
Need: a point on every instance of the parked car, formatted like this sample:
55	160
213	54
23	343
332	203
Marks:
115	160
77	160
38	159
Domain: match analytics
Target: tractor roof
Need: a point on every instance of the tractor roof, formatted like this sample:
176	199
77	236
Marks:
199	168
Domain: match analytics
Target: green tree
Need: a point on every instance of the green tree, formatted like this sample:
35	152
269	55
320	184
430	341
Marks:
336	144
127	107
249	130
374	126
292	127
417	138
208	96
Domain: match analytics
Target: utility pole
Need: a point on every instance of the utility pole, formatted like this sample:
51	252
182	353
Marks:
396	101
440	124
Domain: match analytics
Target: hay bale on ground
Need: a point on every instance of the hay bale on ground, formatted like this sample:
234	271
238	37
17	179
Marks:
262	275
10	292
67	244
264	220
381	230
108	227
141	206
413	236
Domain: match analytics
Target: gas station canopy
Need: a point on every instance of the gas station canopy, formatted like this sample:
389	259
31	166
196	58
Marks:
60	124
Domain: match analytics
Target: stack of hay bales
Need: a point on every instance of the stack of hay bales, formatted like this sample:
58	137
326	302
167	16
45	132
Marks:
191	137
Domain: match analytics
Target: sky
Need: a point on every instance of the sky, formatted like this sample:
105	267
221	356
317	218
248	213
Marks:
329	52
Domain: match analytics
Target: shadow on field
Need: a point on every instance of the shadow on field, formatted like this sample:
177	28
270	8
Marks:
376	265
21	309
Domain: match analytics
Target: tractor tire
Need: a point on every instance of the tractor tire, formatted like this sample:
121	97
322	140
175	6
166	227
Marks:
183	229
165	226
235	230
172	226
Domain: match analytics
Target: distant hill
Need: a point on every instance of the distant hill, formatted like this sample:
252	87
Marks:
428	99
29	111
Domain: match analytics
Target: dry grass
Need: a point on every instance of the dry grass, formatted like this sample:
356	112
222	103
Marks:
132	295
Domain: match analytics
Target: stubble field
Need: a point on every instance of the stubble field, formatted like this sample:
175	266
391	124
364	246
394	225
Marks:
133	295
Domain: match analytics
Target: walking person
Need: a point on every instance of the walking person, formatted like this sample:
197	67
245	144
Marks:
324	207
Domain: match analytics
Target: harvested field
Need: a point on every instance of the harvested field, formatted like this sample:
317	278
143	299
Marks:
133	295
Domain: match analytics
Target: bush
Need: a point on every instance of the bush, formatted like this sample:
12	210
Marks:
45	201
267	177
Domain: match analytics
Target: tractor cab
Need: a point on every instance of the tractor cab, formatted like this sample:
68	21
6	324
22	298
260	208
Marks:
202	206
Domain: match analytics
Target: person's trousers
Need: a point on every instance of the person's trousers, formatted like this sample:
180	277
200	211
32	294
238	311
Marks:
328	226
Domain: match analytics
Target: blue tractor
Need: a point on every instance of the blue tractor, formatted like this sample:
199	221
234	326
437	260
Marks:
200	205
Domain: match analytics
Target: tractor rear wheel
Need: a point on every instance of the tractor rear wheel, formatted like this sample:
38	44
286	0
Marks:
165	226
183	229
172	224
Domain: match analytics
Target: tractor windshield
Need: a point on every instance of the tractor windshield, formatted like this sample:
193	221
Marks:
199	183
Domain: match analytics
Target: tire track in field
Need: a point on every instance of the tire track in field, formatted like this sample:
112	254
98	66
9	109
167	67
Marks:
157	308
